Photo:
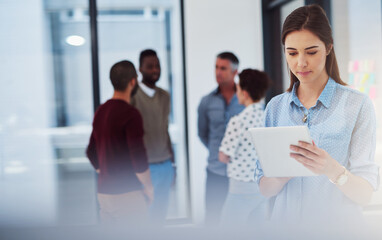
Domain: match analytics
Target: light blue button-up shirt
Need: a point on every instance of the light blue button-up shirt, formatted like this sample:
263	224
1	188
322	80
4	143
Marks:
342	123
213	116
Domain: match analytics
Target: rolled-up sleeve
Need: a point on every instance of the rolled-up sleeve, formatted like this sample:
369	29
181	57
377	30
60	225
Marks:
258	172
362	145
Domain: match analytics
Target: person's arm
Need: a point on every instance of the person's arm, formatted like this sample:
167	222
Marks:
231	139
271	186
145	179
223	157
91	153
320	162
363	173
203	130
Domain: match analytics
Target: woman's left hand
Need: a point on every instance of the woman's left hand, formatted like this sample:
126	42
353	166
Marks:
223	158
314	158
320	162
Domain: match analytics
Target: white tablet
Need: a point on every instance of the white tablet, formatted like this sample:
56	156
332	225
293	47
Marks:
272	147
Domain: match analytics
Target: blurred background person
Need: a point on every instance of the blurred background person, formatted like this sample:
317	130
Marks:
154	105
214	112
237	151
116	150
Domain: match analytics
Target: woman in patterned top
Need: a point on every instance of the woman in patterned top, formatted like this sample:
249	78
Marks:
244	199
341	122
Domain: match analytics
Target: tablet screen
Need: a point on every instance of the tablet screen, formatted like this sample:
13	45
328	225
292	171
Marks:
272	147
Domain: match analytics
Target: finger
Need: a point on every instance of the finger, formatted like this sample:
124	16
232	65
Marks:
310	147
303	151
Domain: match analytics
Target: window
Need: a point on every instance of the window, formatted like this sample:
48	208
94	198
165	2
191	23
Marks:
357	29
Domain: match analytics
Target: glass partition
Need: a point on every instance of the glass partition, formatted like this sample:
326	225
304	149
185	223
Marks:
47	101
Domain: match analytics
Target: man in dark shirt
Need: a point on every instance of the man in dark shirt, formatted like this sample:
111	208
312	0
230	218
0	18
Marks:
116	150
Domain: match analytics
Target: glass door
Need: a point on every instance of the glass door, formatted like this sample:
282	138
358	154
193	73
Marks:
46	114
124	30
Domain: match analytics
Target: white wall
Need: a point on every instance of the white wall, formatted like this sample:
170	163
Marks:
211	27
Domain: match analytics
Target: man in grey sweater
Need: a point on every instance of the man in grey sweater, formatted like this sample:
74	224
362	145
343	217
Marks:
154	106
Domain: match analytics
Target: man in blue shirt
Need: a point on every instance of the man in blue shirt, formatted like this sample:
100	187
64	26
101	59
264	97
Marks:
214	112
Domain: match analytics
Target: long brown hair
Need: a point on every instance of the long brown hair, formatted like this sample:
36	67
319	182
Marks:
313	18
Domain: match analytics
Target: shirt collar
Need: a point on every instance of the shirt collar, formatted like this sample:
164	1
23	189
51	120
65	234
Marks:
257	105
148	91
328	92
217	90
325	97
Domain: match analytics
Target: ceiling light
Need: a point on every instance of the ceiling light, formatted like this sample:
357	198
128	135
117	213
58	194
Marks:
75	40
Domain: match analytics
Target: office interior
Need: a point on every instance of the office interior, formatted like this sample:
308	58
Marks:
54	71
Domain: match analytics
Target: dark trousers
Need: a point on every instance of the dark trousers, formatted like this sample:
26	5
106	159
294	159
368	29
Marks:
216	193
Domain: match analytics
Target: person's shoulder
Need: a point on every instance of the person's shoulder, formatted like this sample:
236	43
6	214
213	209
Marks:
277	103
132	113
204	102
353	94
131	109
244	114
235	120
240	118
116	107
250	113
161	91
281	98
347	89
103	106
114	103
208	96
122	107
355	101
